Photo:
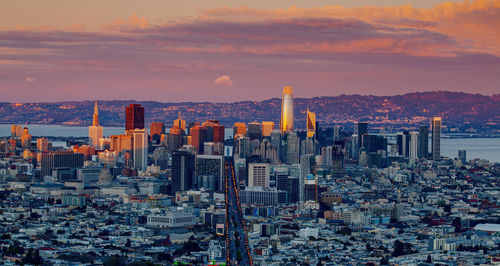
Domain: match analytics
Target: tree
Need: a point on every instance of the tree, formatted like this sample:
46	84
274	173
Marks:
128	244
429	259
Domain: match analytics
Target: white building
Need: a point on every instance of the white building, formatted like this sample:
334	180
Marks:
258	175
171	219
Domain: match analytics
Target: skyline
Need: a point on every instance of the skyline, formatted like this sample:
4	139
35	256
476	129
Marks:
234	52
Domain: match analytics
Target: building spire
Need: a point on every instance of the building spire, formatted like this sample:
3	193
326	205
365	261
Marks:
95	120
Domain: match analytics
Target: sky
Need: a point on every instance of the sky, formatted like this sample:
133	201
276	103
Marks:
222	51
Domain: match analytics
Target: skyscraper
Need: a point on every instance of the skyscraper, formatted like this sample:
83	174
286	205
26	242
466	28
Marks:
180	123
291	149
156	130
423	143
436	138
362	128
239	129
462	156
95	131
286	122
311	124
267	128
134	117
199	136
183	167
26	139
413	144
140	137
254	131
210	172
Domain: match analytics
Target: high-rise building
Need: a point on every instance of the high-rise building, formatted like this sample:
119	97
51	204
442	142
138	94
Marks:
291	148
413	145
462	156
121	143
134	117
276	140
311	124
199	136
267	128
16	131
239	129
42	145
183	168
258	174
210	172
140	154
215	131
286	122
26	139
180	123
95	131
423	142
362	128
336	133
54	160
254	131
156	130
436	138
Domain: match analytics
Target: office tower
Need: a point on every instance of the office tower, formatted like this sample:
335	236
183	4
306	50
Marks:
54	160
183	168
362	128
401	142
293	189
254	131
16	131
42	145
336	133
462	156
199	136
282	181
286	122
436	138
423	143
156	130
134	117
311	124
180	123
267	128
26	139
276	142
140	137
326	156
239	129
413	145
210	172
215	131
95	131
258	174
291	148
242	146
121	143
308	146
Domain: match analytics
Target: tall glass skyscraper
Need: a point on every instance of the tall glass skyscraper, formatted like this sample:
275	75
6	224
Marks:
311	124
436	138
286	122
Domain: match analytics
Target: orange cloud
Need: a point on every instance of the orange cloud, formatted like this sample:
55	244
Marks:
475	23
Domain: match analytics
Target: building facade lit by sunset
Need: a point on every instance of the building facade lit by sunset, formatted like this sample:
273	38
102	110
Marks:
134	117
95	131
311	124
286	121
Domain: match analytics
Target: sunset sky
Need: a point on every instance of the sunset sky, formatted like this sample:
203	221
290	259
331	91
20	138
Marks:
222	51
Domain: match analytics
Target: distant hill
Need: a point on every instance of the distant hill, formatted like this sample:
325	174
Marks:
457	110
